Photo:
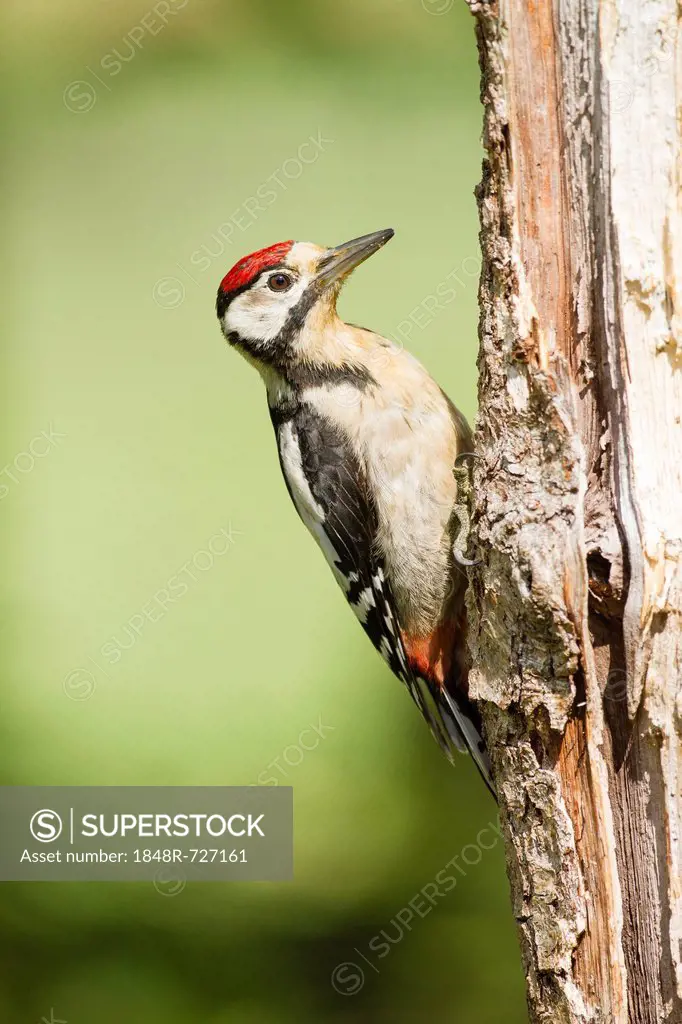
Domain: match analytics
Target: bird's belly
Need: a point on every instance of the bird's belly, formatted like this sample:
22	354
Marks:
414	510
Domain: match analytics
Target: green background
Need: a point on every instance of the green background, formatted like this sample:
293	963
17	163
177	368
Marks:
162	439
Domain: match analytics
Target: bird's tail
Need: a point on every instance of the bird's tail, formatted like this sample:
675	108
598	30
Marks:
465	732
453	722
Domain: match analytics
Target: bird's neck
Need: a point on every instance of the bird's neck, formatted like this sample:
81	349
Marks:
324	351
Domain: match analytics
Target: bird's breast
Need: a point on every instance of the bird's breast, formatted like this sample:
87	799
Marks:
407	449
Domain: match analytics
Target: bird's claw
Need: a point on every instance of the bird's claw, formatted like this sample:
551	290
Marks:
459	461
463	473
461	560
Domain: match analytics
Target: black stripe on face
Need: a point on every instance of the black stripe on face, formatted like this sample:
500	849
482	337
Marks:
276	352
297	314
221	303
224	299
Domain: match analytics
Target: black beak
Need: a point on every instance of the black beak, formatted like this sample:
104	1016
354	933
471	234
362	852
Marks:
337	263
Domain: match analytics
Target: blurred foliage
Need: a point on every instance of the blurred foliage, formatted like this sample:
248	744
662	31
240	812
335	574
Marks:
310	28
162	439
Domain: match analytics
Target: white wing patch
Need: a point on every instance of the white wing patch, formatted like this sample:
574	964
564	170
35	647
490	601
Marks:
308	509
363	604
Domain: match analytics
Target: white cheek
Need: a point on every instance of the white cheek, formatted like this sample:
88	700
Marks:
260	315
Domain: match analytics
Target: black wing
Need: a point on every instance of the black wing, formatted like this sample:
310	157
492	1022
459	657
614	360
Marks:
318	463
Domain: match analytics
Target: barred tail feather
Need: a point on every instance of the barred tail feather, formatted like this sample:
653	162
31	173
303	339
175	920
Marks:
462	728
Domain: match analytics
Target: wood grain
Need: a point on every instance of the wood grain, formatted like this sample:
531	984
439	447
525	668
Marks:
576	613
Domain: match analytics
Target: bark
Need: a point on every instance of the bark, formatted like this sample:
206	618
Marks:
575	613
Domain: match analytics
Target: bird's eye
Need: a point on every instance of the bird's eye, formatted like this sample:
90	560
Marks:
279	282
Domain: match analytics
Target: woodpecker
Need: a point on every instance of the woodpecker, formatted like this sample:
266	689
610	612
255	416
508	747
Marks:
367	444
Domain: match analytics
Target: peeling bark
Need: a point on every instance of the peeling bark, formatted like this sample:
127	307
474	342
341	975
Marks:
576	612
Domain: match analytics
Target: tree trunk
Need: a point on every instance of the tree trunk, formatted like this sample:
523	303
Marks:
576	611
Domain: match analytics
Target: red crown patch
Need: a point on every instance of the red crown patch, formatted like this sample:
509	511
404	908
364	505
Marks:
248	268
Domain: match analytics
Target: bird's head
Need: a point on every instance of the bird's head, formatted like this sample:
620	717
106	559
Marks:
268	298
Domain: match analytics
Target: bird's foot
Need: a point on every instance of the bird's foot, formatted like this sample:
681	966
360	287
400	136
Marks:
462	509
